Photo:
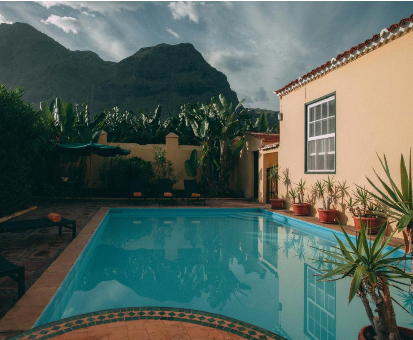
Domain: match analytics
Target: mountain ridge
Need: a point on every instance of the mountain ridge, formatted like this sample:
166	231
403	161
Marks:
166	75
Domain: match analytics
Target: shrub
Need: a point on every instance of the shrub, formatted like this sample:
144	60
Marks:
24	138
116	174
162	167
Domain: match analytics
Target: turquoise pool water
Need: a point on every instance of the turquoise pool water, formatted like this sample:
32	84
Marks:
249	264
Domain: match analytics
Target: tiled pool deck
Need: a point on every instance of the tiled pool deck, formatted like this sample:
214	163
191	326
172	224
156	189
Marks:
39	250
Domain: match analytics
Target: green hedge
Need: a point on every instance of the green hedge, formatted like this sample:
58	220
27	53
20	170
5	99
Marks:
116	174
22	135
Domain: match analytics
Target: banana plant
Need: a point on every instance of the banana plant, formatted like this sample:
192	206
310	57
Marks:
73	125
215	126
372	268
192	164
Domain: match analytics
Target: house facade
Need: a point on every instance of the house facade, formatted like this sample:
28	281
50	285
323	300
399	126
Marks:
337	117
258	155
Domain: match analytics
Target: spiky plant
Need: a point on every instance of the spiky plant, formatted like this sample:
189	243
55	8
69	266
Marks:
399	201
372	269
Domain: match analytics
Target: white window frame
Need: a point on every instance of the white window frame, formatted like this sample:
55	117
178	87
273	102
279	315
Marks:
314	138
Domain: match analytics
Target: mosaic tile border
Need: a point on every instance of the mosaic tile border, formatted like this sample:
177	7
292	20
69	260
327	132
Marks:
240	328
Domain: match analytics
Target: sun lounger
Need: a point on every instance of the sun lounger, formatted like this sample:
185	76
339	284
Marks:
16	226
165	190
191	190
15	272
137	189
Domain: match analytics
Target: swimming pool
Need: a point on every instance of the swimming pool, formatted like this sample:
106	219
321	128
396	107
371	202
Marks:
248	264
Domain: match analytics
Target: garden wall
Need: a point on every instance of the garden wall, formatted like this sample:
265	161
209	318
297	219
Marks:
176	153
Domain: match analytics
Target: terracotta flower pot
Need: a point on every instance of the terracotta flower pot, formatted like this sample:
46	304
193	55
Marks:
405	333
370	223
300	209
277	203
327	216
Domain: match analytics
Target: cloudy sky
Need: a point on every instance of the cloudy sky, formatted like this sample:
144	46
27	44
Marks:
260	46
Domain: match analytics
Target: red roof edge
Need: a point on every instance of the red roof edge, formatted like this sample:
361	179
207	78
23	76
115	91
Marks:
347	53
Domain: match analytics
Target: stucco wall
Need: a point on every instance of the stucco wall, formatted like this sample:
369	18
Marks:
374	112
244	168
176	153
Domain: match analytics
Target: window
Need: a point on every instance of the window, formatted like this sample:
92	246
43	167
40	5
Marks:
320	306
321	135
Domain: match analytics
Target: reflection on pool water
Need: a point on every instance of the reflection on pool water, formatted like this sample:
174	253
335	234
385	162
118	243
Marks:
249	264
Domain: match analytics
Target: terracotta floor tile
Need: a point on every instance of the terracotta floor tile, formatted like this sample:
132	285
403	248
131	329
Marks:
136	325
197	332
138	334
155	327
163	335
180	337
175	329
117	324
117	333
77	336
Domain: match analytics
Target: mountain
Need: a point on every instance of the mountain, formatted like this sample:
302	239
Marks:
272	116
166	75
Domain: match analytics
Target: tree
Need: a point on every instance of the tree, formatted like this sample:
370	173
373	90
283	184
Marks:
24	135
215	126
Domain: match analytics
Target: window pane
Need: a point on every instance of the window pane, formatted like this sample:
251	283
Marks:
332	108
311	163
332	125
311	130
324	110
320	145
318	128
311	147
311	114
320	158
331	144
324	127
311	155
330	161
318	112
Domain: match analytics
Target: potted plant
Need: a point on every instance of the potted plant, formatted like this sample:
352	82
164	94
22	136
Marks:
326	214
274	175
300	208
372	269
363	210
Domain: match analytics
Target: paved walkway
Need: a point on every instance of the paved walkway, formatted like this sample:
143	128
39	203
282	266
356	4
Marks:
149	330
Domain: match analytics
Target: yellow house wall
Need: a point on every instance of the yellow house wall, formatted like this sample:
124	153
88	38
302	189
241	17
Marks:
244	168
374	108
176	153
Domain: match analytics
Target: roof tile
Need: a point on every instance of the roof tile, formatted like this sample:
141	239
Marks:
368	44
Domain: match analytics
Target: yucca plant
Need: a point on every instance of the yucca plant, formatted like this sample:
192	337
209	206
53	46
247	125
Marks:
293	194
319	190
300	191
399	201
362	205
372	269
